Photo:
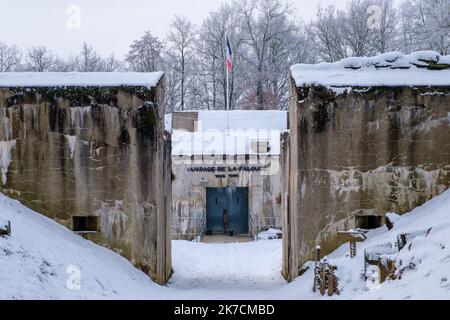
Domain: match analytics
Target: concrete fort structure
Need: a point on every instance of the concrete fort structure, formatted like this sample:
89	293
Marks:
90	151
367	136
218	172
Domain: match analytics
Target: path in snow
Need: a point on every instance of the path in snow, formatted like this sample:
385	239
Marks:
231	266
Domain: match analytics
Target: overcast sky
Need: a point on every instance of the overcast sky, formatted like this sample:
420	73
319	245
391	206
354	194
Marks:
108	25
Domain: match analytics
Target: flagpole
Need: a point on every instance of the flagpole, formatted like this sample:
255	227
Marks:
228	102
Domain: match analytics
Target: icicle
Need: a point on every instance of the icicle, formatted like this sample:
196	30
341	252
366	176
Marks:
5	157
72	140
73	114
114	117
6	129
83	110
34	117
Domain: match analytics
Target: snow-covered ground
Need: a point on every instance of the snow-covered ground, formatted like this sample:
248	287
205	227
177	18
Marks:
41	259
238	270
425	259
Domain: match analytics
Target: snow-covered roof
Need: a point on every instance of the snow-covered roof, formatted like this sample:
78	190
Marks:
240	119
424	68
246	128
79	79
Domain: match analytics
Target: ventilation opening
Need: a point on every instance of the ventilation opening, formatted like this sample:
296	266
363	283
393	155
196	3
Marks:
85	224
369	222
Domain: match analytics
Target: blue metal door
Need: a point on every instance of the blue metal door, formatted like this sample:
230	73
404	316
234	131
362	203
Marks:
235	202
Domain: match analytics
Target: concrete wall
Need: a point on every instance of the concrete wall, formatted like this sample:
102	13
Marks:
189	192
373	151
93	152
185	121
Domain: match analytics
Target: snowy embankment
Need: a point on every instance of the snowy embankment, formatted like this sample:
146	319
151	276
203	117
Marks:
424	262
40	261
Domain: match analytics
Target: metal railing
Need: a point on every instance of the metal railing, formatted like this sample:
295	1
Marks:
263	224
197	225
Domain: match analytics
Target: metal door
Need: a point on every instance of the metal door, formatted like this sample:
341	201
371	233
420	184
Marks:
235	201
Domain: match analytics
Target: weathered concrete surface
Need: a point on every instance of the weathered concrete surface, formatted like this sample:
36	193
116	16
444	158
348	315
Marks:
189	191
93	152
370	152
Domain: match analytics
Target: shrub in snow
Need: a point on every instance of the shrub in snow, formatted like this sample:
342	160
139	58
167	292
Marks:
5	227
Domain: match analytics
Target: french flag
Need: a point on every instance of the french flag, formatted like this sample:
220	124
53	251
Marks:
229	56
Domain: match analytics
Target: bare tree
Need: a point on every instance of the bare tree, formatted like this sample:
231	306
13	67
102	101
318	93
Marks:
111	64
285	49
210	47
328	29
145	54
181	51
65	65
88	60
39	59
273	41
10	57
426	25
386	37
356	32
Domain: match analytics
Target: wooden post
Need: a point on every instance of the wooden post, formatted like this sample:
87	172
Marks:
365	265
352	249
315	268
330	281
8	229
401	241
323	277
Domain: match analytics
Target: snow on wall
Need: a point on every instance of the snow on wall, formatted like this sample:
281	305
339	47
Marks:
5	157
79	79
406	182
113	219
388	69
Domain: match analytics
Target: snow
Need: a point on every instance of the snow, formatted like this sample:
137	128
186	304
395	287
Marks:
236	269
3	223
36	259
79	79
270	234
388	69
428	250
168	122
246	128
243	120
